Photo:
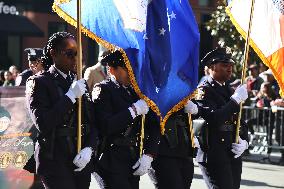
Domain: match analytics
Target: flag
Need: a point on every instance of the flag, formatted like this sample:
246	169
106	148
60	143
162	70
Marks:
159	40
267	31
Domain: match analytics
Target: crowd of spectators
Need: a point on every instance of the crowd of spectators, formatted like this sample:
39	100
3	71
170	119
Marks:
262	87
264	98
8	77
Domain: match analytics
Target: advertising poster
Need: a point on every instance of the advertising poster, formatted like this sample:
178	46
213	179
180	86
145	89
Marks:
16	139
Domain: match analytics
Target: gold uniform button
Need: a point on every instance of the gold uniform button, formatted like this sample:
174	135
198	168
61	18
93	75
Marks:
223	140
235	122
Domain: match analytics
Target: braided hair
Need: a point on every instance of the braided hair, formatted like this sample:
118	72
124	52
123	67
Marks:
53	42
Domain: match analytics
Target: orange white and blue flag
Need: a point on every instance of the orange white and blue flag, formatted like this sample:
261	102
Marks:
267	31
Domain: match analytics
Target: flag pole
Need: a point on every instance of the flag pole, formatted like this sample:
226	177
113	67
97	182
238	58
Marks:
142	135
244	69
190	129
79	74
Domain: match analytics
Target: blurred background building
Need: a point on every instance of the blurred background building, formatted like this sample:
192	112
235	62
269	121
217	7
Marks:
29	23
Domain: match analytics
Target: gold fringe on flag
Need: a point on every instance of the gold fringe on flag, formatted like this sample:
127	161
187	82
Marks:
112	47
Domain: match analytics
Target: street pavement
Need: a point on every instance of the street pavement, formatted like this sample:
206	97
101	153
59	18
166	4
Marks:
258	173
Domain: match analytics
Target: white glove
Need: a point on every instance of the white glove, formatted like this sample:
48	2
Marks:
241	94
238	149
77	89
196	142
143	164
83	158
190	107
141	107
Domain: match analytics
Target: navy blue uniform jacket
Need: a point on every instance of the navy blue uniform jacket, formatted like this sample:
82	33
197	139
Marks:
217	108
50	110
111	106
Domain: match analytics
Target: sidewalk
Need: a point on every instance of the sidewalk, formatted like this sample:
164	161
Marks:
254	176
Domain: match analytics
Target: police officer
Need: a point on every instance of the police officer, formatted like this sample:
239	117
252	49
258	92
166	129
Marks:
219	156
174	163
51	98
118	112
35	66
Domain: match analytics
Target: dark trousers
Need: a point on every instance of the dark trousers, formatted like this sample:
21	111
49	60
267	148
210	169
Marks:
37	183
118	181
173	172
222	175
67	178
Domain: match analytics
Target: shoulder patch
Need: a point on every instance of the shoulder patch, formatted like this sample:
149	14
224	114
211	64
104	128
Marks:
96	92
200	93
30	86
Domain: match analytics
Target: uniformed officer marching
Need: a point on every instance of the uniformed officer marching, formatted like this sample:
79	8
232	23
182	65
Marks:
35	66
51	98
174	163
118	112
220	157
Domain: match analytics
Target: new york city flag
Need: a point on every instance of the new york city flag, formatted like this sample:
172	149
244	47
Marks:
159	39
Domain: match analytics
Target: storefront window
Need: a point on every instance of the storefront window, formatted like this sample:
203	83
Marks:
9	51
3	52
14	50
30	5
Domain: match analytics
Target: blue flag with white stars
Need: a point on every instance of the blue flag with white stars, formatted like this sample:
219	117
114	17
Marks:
159	37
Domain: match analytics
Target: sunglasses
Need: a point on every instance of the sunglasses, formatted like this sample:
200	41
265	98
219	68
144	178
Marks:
69	53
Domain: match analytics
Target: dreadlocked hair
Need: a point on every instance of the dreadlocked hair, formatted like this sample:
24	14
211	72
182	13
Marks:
53	42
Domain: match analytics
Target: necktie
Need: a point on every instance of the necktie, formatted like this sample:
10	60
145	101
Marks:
69	79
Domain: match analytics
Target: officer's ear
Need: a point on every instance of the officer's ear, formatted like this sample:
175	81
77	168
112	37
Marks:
212	67
52	53
111	70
